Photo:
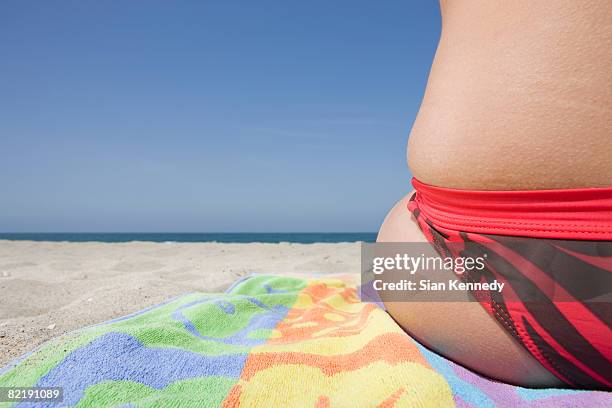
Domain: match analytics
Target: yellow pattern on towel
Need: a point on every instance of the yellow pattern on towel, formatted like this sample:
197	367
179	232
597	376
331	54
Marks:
333	350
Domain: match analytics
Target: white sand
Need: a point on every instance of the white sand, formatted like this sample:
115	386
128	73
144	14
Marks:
49	288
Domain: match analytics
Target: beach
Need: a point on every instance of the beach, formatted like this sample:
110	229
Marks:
50	288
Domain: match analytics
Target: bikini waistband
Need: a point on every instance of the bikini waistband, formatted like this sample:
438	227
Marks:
577	214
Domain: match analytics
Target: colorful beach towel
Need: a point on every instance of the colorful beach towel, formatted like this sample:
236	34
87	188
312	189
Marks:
270	341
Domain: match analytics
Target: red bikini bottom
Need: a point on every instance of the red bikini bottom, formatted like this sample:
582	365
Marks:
535	239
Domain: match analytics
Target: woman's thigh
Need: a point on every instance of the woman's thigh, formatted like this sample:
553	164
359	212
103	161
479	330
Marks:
461	331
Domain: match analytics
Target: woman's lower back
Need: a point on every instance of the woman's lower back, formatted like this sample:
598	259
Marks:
518	98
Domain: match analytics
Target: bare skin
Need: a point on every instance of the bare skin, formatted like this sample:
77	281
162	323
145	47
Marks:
462	331
518	97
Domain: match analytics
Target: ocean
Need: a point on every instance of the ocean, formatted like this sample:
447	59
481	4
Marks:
234	237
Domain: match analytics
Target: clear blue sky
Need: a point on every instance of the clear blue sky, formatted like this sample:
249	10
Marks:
208	116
